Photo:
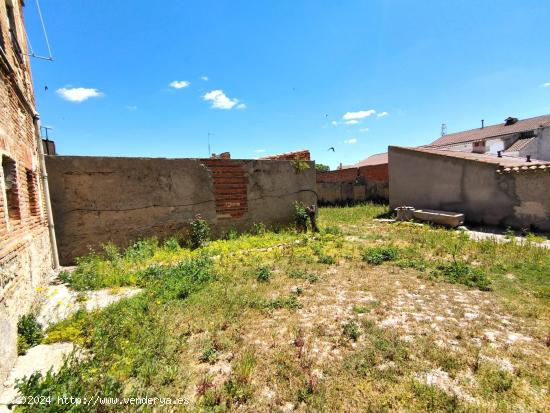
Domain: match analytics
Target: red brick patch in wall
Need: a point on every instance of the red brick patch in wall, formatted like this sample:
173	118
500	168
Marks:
371	172
375	172
230	187
339	175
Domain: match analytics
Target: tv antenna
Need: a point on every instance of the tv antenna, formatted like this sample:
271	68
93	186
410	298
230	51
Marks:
209	152
32	54
443	129
45	135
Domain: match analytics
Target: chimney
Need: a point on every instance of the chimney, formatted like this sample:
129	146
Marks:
528	158
482	123
510	121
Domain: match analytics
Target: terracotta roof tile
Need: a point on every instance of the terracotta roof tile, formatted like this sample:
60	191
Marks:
519	144
492	131
504	162
377	159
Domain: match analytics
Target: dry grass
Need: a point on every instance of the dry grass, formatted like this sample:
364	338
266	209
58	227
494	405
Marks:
279	328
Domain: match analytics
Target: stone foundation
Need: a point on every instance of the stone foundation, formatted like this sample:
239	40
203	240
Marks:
23	272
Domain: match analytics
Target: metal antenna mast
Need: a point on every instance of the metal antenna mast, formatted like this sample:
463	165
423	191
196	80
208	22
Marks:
209	152
32	54
443	129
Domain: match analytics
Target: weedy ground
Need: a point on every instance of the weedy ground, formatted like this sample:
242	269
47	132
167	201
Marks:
365	316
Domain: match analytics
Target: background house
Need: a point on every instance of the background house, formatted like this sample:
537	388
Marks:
513	137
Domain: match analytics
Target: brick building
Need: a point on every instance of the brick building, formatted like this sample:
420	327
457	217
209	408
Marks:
364	181
26	258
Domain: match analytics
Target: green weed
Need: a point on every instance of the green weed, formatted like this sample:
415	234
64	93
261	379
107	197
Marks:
200	232
378	255
458	272
29	333
264	274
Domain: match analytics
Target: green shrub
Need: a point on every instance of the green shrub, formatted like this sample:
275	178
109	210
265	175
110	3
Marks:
86	274
319	167
459	272
352	331
178	281
171	244
141	249
29	333
326	259
378	255
111	252
297	273
72	329
333	230
496	380
264	274
258	228
362	309
22	345
300	216
230	234
209	354
200	232
300	165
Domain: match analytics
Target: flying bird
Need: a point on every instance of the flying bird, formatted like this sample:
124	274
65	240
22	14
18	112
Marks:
45	88
331	149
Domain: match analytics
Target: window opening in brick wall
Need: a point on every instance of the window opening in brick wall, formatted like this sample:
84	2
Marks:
12	27
10	185
32	192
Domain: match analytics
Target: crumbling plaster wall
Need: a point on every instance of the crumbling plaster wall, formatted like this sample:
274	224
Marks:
431	181
96	200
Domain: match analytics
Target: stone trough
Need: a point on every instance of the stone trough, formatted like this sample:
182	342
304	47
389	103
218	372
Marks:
450	219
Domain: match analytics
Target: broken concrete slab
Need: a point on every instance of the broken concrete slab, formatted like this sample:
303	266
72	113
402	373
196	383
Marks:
58	301
41	359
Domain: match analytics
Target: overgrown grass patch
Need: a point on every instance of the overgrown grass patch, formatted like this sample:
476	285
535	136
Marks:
378	255
207	326
459	272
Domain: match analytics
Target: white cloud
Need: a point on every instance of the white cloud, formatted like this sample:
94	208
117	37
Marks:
351	122
205	78
351	141
334	123
382	114
547	84
131	107
364	130
359	114
221	101
179	84
259	150
78	94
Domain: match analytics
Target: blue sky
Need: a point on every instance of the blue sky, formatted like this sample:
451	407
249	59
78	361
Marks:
283	75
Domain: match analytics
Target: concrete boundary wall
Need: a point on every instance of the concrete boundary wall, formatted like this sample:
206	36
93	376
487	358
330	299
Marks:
426	180
97	200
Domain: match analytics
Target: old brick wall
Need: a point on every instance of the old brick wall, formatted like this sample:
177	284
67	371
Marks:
350	185
97	200
25	257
